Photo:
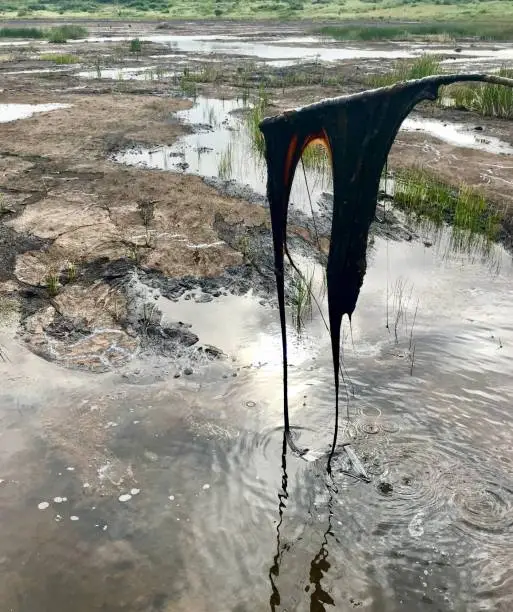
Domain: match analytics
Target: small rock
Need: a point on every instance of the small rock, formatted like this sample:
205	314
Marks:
478	128
177	375
135	491
125	497
385	487
206	486
187	371
73	518
43	505
203	298
212	351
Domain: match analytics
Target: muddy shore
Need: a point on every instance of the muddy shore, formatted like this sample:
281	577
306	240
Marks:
141	465
71	216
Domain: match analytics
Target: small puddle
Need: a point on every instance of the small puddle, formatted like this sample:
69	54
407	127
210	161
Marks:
222	147
12	112
137	73
39	71
460	135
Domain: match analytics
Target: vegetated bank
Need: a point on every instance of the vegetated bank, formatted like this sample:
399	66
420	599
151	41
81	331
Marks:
466	11
58	34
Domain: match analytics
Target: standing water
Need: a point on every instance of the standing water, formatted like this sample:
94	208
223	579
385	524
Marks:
155	494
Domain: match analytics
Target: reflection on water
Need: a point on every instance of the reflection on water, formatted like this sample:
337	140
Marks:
457	134
130	73
223	518
273	49
222	146
12	112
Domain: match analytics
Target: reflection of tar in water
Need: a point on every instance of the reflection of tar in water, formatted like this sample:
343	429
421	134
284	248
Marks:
319	565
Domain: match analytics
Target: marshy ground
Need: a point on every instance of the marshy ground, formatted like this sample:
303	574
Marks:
140	335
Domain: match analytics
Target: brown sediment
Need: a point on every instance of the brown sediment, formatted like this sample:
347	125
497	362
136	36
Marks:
358	131
68	209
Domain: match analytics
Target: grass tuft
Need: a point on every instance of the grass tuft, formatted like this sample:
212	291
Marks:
225	165
52	283
62	34
253	119
420	193
487	99
423	66
301	297
60	58
35	33
438	30
135	45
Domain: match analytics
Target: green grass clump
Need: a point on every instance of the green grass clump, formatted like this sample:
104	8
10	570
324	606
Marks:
188	86
254	117
423	66
62	34
225	165
60	58
52	283
316	157
486	99
420	193
36	33
404	31
301	286
135	45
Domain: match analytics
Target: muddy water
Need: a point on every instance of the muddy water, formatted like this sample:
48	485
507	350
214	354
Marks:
306	48
137	491
461	135
287	49
139	73
429	381
12	112
174	488
221	146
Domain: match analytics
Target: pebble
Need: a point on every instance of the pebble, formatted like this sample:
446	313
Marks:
43	505
135	491
60	500
187	371
73	518
125	497
206	486
171	497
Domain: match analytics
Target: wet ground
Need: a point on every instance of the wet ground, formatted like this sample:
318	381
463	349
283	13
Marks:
142	463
